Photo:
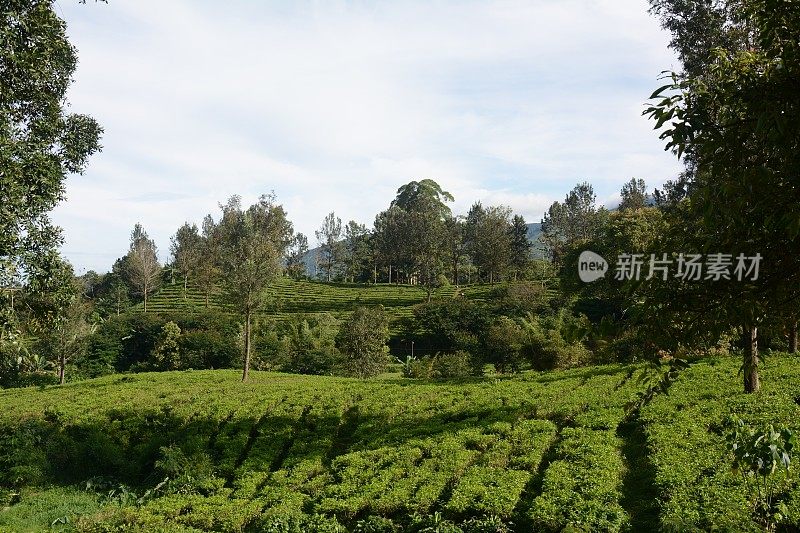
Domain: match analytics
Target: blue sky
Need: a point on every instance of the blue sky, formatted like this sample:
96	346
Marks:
333	105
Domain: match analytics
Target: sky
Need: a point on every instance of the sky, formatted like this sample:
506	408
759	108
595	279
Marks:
334	105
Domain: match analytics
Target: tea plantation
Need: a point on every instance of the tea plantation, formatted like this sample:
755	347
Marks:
201	451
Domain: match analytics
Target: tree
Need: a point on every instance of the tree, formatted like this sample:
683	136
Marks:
567	224
362	341
186	248
40	143
488	231
58	313
206	266
251	246
739	123
520	245
634	195
295	260
355	250
143	269
423	195
454	238
328	236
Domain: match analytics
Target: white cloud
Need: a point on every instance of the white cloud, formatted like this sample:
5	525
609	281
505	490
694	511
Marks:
334	105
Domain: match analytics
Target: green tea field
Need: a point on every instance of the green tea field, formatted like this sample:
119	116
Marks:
201	451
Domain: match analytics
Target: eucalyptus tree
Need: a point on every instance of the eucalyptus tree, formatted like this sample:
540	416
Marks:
142	267
186	248
567	224
251	244
633	194
520	256
295	259
330	247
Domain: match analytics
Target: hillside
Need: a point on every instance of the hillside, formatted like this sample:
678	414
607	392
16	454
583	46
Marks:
288	296
200	451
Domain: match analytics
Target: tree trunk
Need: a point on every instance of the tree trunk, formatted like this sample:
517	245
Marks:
793	336
752	382
246	372
145	300
374	274
390	274
185	282
62	365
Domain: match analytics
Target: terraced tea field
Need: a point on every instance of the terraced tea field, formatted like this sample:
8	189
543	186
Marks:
533	452
288	296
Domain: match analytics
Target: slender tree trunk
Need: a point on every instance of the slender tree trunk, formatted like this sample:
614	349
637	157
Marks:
246	372
185	282
145	300
62	366
390	273
793	335
752	382
374	274
119	303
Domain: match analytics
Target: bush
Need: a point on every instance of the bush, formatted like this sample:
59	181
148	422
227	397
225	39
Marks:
452	325
452	365
207	340
554	342
302	344
362	342
503	343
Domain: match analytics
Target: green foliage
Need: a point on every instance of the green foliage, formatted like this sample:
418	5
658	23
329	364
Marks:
554	341
302	344
503	345
166	353
362	342
761	455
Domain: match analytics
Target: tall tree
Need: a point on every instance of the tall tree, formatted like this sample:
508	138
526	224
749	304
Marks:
520	245
143	268
454	237
186	248
40	143
295	259
739	121
567	224
634	195
489	239
206	266
329	236
251	245
355	250
423	195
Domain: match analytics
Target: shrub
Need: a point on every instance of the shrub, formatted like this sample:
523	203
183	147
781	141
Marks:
452	365
303	344
503	343
362	342
453	324
554	342
166	353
